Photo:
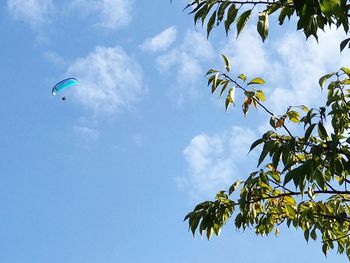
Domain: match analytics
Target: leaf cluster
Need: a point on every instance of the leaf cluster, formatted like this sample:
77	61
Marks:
301	181
222	81
312	15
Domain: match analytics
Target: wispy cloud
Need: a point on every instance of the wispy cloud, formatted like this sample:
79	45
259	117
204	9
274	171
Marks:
248	53
110	81
54	58
111	13
33	12
161	41
187	62
86	133
301	72
291	65
213	160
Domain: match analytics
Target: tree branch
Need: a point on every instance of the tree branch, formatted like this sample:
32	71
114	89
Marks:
296	193
258	102
273	2
347	219
336	239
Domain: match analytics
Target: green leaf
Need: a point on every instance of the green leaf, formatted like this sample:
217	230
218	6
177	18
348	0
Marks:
325	77
227	63
322	131
188	216
211	23
276	157
256	81
289	176
295	174
344	43
231	16
256	143
346	71
224	86
311	193
215	80
306	234
249	94
202	12
304	108
290	212
234	186
221	11
196	8
263	25
227	103
212	78
242	21
309	131
325	248
320	179
264	152
210	232
313	234
242	77
211	71
346	82
273	121
194	223
283	15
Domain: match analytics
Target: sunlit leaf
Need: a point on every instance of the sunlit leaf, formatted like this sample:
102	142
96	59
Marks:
325	77
231	95
260	95
263	25
242	77
256	81
227	63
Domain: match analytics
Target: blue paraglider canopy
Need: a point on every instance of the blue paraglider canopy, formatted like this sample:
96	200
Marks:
66	83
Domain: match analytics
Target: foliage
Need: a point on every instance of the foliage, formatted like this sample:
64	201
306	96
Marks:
312	15
302	179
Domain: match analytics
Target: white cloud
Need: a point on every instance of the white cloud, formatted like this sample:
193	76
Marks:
33	12
197	45
160	42
303	64
290	65
187	62
214	160
247	53
109	80
111	13
54	58
170	59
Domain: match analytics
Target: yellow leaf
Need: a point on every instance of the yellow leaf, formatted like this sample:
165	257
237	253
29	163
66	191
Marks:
231	95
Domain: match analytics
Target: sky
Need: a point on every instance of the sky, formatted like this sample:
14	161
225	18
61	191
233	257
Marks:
109	174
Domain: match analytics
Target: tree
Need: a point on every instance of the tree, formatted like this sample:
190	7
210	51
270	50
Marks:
303	179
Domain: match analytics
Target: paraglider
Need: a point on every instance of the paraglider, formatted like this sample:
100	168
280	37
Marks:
66	83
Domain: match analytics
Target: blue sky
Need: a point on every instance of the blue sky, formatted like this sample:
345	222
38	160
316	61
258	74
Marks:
108	175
